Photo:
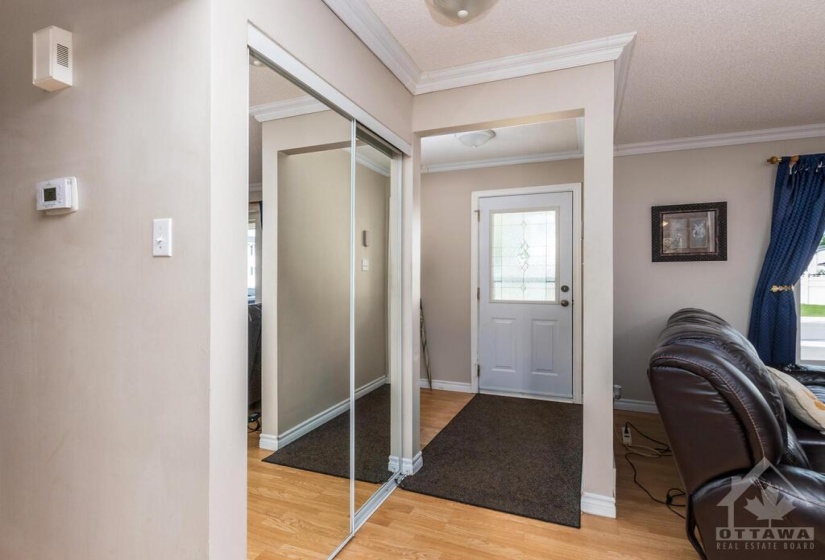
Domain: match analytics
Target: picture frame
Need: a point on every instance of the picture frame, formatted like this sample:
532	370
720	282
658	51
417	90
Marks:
690	232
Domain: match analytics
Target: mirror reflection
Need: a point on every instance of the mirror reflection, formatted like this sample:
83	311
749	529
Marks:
373	395
322	298
300	496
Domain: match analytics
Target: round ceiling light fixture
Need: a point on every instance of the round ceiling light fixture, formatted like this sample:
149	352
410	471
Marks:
460	11
477	138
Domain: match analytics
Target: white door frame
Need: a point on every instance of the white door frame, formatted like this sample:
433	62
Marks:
578	295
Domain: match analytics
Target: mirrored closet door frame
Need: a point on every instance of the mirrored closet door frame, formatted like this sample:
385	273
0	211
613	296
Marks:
364	127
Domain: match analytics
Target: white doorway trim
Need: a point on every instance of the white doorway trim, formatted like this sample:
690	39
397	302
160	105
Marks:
576	189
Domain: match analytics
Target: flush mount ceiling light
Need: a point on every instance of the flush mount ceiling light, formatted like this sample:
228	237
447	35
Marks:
476	138
254	61
460	11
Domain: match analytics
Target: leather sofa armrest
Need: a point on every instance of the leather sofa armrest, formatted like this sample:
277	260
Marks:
807	375
779	514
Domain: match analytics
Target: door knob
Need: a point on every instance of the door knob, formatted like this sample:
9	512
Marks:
565	289
564	303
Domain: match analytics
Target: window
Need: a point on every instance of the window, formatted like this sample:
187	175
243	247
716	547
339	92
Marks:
812	309
250	261
524	254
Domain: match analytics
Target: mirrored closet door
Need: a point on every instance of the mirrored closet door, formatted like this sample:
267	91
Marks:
304	487
374	465
330	403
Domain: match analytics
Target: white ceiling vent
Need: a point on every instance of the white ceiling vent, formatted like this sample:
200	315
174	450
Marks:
52	58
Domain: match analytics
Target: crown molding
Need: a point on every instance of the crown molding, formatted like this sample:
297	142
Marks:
368	27
718	140
498	162
607	49
359	17
675	145
294	107
580	133
620	78
369	164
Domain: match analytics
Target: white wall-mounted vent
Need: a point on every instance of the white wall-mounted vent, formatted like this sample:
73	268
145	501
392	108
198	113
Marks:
63	55
52	58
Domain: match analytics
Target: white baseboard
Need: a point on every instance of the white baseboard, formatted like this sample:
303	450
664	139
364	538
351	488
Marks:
273	443
636	406
448	386
268	441
412	466
406	466
596	504
312	423
370	387
549	398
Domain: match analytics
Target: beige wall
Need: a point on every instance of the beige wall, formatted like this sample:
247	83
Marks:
445	252
314	283
371	297
105	351
647	293
139	343
313	131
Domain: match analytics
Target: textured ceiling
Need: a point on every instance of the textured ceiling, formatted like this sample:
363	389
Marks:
511	142
266	86
698	67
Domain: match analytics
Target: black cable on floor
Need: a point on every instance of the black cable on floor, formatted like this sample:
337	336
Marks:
671	494
662	451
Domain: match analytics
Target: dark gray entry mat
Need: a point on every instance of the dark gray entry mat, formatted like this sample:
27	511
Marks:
325	449
520	456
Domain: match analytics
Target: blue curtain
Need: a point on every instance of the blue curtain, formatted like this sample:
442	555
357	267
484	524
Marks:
797	225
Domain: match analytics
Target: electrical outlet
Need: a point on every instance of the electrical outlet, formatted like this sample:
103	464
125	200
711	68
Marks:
627	439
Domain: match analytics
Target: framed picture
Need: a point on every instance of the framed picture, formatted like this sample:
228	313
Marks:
690	232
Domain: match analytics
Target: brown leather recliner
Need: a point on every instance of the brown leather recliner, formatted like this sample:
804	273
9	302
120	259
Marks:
752	489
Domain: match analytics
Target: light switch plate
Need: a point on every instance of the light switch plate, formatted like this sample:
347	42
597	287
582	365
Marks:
365	264
162	237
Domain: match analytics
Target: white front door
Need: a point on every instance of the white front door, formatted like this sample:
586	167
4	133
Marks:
526	294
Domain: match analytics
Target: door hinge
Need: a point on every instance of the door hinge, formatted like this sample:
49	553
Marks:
478	370
478	293
478	215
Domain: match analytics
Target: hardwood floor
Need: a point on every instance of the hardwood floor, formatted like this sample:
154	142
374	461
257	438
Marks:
296	514
437	409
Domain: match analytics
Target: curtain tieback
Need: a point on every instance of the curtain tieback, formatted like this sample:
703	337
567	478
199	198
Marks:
776	288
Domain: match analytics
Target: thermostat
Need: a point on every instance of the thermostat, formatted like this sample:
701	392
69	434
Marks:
58	196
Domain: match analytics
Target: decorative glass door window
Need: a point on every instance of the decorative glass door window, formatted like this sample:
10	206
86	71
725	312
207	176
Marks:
524	255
